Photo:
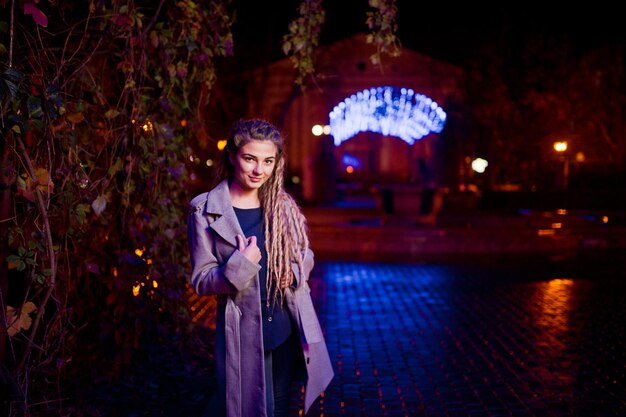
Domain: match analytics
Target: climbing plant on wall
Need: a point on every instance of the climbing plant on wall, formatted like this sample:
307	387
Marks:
100	102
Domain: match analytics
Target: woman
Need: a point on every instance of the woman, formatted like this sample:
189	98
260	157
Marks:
249	245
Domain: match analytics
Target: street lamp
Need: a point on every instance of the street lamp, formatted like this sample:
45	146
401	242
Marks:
560	147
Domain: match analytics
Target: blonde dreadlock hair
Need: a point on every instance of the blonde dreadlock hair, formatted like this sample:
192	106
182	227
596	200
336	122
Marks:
286	238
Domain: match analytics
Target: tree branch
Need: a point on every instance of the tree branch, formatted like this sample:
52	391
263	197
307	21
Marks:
51	255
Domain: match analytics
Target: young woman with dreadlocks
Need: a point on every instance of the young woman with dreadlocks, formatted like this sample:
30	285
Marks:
249	246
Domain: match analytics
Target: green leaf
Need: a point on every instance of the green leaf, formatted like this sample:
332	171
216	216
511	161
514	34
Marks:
111	113
116	167
13	258
81	213
10	78
34	107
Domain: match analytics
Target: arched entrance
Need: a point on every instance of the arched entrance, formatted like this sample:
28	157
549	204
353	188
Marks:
377	134
372	158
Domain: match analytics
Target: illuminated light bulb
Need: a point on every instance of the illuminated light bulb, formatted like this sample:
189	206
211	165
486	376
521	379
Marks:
349	169
327	129
155	284
387	110
138	252
221	144
209	162
545	232
317	130
560	146
479	165
136	289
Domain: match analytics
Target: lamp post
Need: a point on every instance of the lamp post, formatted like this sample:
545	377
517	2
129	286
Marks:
561	147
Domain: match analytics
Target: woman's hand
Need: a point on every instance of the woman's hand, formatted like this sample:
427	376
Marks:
249	248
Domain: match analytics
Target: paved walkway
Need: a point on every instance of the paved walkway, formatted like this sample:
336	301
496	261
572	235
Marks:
429	340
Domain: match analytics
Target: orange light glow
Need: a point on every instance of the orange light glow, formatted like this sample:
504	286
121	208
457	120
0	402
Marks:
545	232
605	219
136	289
155	284
349	169
221	144
138	252
562	212
147	126
183	123
115	272
557	225
560	146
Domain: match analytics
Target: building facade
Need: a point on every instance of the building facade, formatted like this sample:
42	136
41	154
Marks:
324	170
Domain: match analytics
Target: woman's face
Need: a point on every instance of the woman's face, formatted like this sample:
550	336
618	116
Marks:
254	164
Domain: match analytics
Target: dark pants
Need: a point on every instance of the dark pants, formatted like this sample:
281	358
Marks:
280	372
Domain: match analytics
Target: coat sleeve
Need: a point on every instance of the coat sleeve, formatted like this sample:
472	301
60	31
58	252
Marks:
208	275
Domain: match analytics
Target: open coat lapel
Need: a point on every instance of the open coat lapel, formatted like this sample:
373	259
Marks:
225	224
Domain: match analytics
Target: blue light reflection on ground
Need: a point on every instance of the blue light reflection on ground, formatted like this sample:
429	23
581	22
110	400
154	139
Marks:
428	340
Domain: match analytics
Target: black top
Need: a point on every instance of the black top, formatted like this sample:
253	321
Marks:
276	319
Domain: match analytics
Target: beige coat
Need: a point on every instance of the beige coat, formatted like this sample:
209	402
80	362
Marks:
219	268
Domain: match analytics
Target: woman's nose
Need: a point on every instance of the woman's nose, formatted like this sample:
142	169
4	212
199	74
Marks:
257	168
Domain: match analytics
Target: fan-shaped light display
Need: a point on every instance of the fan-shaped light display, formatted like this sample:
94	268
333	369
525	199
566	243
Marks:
390	111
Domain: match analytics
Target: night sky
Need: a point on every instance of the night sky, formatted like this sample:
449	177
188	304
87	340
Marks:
449	32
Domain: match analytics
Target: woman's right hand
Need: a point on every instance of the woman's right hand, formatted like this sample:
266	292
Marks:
249	248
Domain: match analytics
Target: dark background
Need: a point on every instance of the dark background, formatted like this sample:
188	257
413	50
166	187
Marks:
447	31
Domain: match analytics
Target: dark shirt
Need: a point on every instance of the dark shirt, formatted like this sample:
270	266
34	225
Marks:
276	319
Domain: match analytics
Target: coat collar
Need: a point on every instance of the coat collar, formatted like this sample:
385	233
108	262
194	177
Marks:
218	203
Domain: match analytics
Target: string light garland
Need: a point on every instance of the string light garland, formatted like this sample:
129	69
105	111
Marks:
390	111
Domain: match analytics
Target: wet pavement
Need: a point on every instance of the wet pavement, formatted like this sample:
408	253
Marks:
521	339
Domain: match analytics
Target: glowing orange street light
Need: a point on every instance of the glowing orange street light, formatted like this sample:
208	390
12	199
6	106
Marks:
560	147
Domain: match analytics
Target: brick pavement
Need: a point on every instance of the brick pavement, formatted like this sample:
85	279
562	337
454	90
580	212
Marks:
435	340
